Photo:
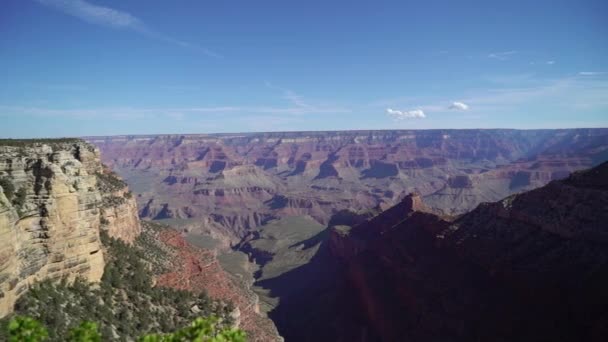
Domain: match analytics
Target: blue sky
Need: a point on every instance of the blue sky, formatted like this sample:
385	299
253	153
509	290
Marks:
101	67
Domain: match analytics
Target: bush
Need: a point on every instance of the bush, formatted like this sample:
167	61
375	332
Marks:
32	142
26	329
85	332
108	181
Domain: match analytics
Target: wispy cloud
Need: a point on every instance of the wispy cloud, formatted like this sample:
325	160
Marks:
300	103
407	114
171	112
502	56
459	106
550	62
567	93
592	73
115	19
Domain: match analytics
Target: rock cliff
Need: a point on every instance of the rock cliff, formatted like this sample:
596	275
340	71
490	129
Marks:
54	199
531	267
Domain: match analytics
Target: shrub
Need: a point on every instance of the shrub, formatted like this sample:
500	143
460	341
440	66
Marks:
85	332
26	329
109	182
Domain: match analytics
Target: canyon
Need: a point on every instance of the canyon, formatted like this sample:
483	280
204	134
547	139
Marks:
229	184
343	236
310	221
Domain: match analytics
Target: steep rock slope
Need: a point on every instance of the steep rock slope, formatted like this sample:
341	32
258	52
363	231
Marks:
236	182
532	267
51	212
198	270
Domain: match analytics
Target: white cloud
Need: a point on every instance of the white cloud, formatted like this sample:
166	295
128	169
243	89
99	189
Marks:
501	56
408	114
108	17
550	62
459	106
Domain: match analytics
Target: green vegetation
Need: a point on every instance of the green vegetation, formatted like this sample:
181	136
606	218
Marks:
112	201
125	304
85	332
30	142
109	182
26	329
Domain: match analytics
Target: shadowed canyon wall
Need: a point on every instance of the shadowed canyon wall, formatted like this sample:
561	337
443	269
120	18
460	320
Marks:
531	267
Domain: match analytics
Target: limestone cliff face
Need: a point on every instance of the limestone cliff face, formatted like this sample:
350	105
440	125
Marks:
119	215
51	211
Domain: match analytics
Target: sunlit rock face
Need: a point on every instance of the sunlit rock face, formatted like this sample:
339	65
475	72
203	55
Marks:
51	213
232	183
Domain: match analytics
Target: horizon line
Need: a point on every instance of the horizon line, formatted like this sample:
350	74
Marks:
87	137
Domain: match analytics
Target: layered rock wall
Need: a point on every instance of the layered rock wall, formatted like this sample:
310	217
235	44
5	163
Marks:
236	182
51	213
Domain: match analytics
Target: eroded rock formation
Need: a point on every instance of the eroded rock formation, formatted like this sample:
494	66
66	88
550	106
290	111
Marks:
51	211
236	182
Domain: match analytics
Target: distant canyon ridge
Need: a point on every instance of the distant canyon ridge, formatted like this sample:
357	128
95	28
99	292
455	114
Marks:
233	183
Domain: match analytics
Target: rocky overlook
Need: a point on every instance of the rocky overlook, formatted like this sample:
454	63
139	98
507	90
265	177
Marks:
55	197
231	183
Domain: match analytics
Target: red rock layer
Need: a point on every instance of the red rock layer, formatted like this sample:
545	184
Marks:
198	270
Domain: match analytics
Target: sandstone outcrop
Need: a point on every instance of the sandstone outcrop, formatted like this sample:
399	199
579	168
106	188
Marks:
51	211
